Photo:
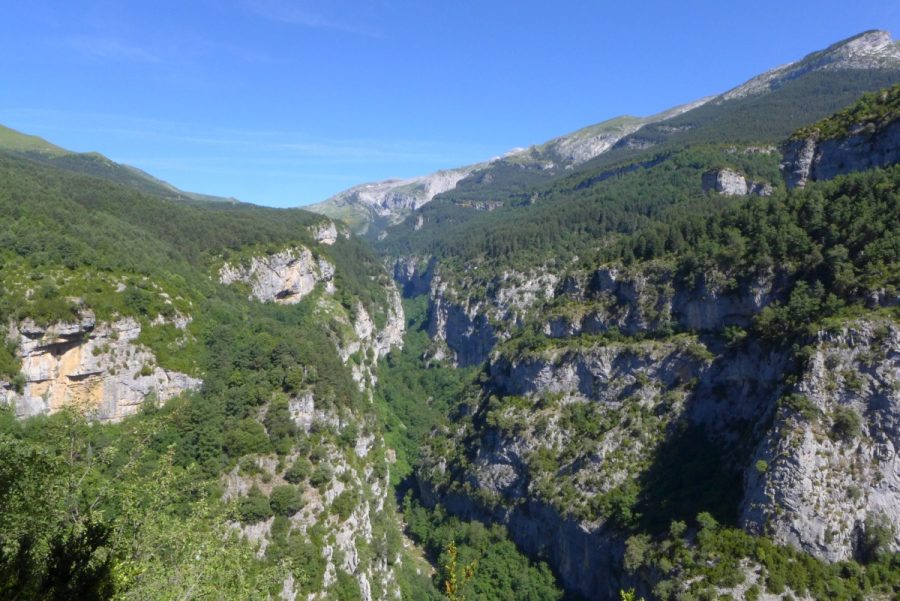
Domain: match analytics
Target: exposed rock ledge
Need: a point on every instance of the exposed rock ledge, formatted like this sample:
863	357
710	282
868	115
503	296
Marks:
99	368
731	183
284	277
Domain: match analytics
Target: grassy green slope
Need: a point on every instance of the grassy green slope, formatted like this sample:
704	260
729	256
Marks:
16	141
94	164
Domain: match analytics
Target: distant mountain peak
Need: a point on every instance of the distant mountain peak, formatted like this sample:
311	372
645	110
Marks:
874	49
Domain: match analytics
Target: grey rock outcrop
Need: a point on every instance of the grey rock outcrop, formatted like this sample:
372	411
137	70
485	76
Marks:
357	338
327	232
414	274
651	300
731	183
99	369
285	277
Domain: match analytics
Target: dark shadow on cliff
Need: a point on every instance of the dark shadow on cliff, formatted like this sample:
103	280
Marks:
690	473
697	470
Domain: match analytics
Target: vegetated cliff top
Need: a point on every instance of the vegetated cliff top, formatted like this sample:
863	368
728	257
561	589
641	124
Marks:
83	234
873	112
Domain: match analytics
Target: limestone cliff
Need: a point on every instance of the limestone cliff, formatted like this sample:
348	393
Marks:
351	500
564	426
99	368
811	159
284	277
470	314
359	341
828	472
356	528
327	232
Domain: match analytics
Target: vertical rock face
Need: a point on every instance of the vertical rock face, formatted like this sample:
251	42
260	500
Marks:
468	316
414	274
819	460
828	473
358	339
799	156
862	148
284	277
97	368
467	334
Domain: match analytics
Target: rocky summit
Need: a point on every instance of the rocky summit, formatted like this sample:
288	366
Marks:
656	358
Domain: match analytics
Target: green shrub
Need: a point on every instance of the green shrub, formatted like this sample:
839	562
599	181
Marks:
278	422
285	500
800	403
299	471
877	535
846	424
254	507
246	436
321	476
344	504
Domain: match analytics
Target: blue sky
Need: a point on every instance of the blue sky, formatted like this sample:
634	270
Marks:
285	102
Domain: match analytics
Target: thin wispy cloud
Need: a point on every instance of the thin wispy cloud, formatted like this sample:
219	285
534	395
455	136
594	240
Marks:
269	147
242	53
302	15
109	48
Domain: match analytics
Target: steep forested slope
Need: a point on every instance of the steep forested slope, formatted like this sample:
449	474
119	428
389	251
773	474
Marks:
691	389
266	470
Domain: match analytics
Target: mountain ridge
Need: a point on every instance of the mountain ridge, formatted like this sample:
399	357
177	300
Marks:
95	164
370	207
